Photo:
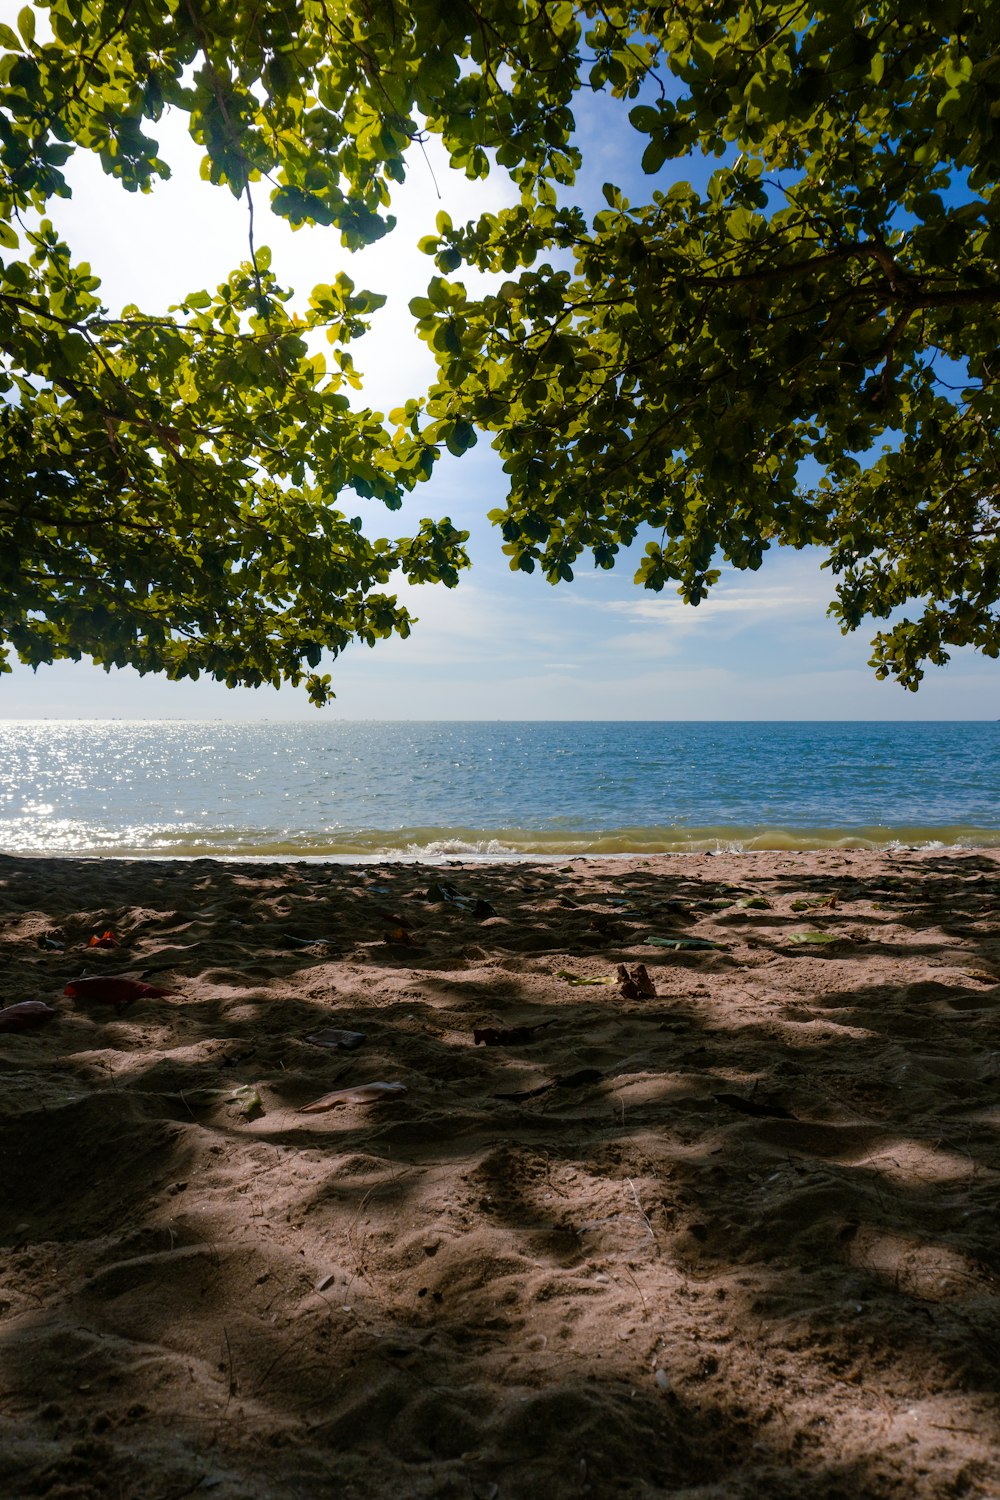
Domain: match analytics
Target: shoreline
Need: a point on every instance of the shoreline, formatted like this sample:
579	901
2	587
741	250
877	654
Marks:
505	846
733	1237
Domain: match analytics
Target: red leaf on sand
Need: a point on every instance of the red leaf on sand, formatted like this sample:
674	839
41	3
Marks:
116	992
27	1014
107	940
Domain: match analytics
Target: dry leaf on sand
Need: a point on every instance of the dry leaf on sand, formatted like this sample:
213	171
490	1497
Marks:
500	1036
636	985
26	1015
332	1036
365	1093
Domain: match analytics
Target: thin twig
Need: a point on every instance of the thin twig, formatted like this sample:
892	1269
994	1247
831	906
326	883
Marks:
642	1211
430	169
645	1309
253	261
233	1385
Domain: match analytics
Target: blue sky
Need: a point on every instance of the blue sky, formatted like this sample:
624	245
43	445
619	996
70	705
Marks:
502	645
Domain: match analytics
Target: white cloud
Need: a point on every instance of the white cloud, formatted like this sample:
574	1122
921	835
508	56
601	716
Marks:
789	595
746	604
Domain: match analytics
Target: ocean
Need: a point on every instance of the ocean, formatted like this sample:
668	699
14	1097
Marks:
393	790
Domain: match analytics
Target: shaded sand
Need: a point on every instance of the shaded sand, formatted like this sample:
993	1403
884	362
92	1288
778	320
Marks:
736	1240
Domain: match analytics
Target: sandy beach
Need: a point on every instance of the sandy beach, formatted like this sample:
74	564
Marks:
733	1238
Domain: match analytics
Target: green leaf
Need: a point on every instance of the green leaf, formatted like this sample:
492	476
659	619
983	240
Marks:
246	1101
645	119
800	938
461	438
26	24
654	156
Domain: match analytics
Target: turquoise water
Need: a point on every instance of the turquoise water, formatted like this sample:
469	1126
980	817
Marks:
322	788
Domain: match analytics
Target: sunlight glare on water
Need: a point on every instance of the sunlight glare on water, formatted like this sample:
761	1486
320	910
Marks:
333	789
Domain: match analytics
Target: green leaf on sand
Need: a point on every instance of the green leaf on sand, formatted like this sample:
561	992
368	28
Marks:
801	938
247	1101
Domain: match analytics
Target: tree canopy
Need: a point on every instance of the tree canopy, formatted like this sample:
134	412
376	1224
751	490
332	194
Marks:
803	351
